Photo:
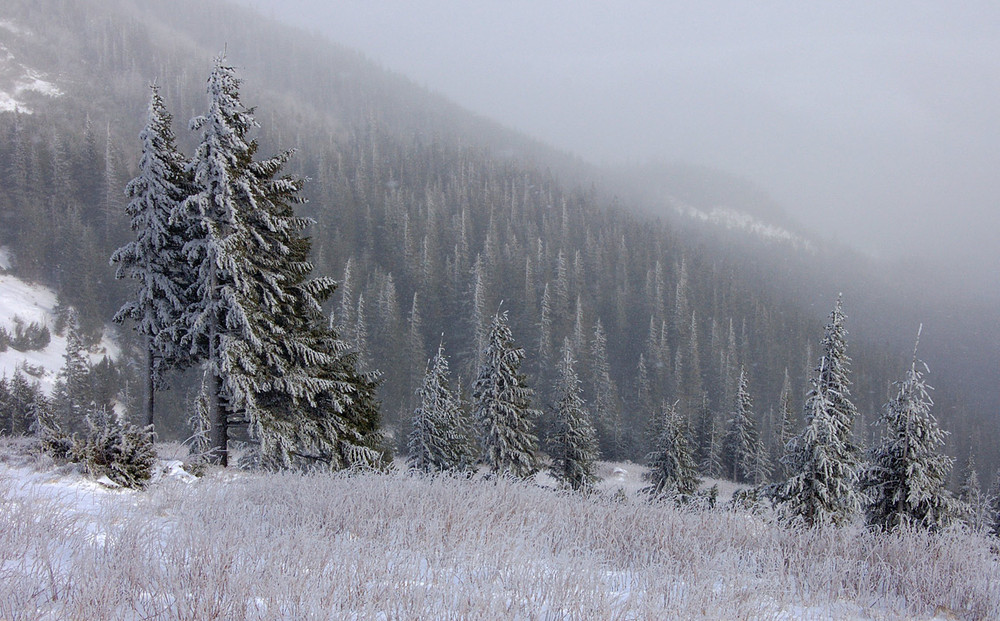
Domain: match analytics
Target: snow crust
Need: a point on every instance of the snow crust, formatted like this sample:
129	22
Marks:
33	303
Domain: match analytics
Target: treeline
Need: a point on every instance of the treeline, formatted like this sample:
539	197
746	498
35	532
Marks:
428	232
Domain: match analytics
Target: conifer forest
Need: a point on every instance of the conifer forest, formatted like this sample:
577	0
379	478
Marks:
283	263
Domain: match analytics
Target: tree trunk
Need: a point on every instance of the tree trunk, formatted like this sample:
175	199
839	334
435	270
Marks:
150	383
219	432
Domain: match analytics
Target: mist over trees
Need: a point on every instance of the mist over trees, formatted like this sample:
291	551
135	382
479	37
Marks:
428	219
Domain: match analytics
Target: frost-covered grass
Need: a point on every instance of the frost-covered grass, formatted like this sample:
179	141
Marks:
247	546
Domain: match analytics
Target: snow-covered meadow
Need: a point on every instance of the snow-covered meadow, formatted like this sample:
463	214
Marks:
235	545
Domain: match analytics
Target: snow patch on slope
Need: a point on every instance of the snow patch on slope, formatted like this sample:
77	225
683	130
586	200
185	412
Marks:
32	303
13	28
17	80
734	219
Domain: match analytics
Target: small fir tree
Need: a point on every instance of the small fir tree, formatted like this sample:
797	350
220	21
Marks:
973	501
117	449
906	476
740	451
502	405
72	394
672	470
606	410
440	439
573	442
822	461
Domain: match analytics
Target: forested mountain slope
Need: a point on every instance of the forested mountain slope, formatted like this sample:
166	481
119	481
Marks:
432	218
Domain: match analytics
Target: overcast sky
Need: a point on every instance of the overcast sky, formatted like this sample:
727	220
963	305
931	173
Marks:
874	123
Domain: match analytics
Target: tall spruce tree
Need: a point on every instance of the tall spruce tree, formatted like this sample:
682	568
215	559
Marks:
153	259
440	439
573	442
905	479
219	240
256	320
502	405
671	466
823	461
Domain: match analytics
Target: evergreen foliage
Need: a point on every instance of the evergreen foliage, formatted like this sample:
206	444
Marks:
21	404
905	479
153	259
117	449
408	187
741	454
573	441
72	395
502	405
822	461
973	500
605	402
441	438
28	337
672	470
256	320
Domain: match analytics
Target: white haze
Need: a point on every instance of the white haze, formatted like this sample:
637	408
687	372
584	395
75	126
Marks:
874	124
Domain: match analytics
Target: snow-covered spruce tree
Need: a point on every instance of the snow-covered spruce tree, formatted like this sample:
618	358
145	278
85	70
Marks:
153	259
740	451
21	403
441	439
291	376
822	461
573	441
256	321
72	398
502	405
973	501
672	470
606	408
906	475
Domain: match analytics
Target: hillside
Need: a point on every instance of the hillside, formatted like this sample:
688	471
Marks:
23	305
416	201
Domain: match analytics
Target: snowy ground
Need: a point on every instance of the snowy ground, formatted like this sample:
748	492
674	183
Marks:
17	80
251	546
33	303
